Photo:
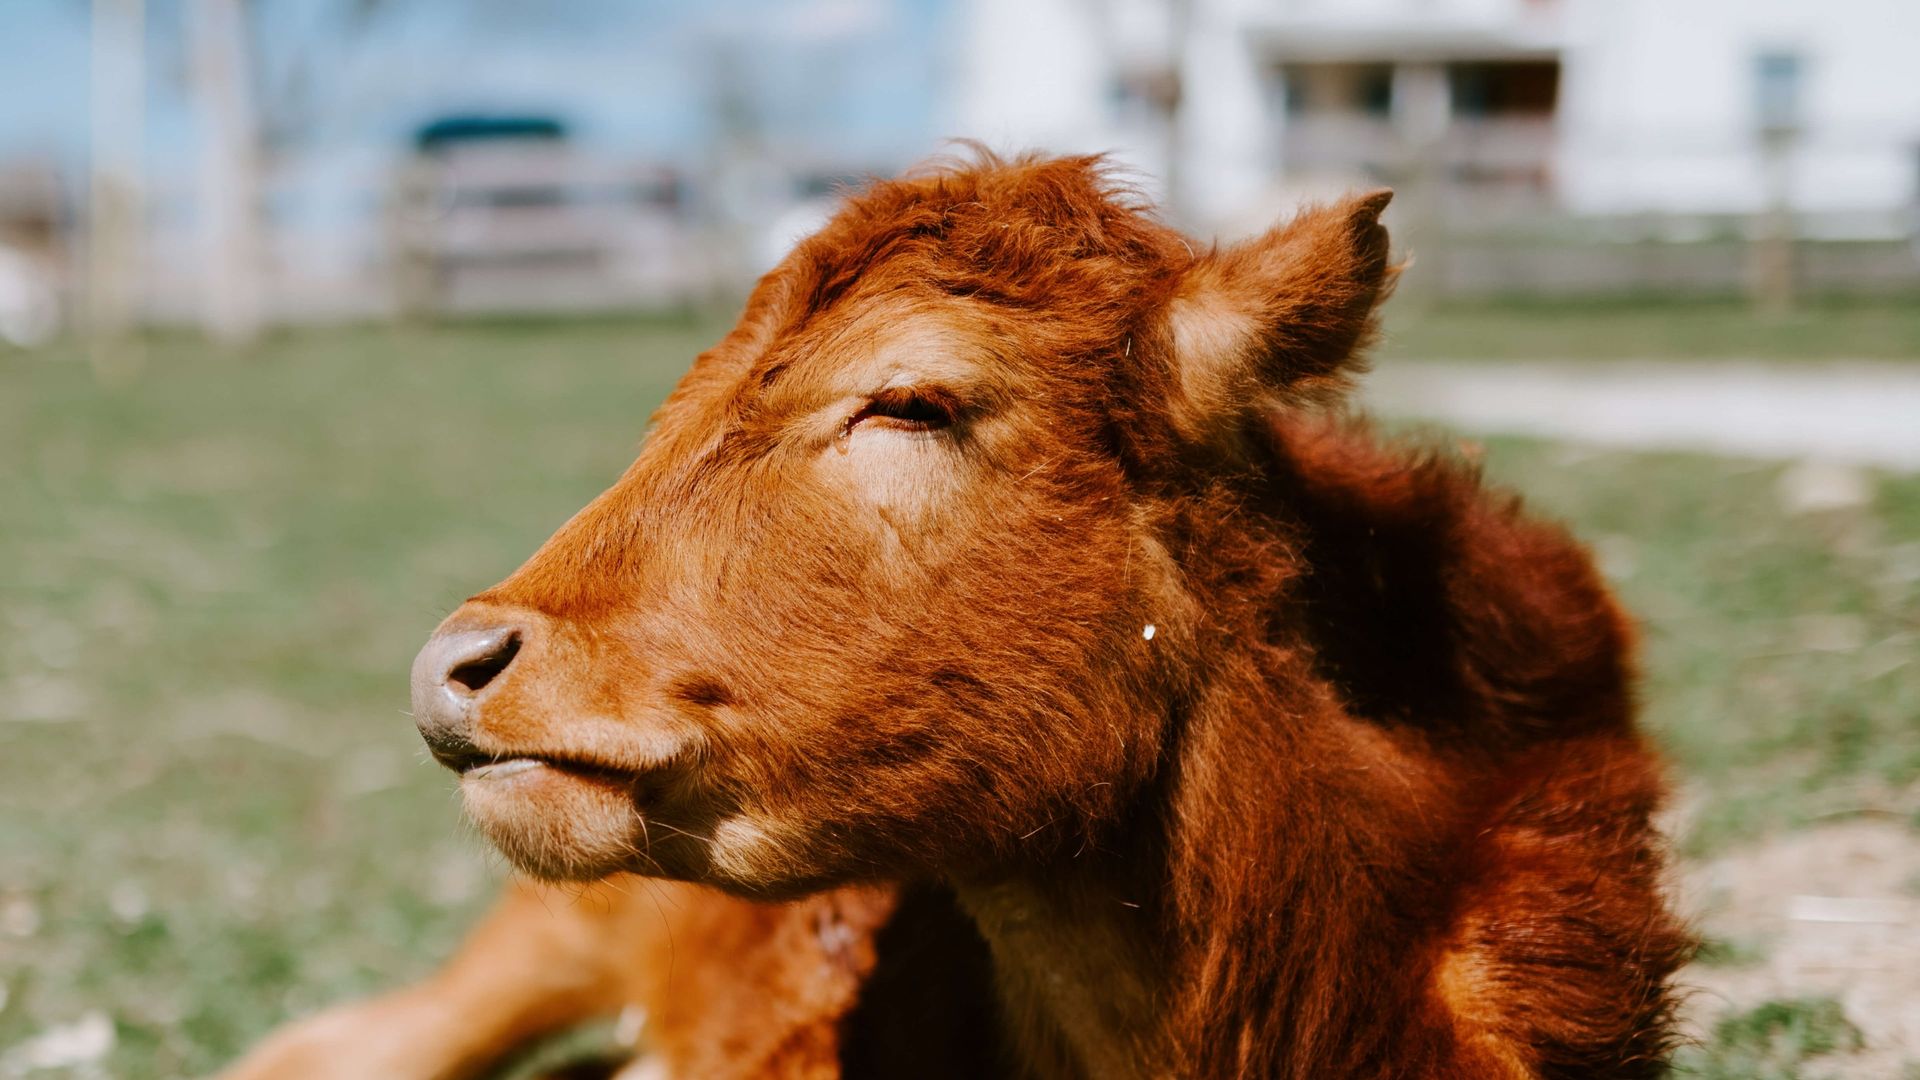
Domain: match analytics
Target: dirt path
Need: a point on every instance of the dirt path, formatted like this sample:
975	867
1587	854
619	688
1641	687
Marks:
1850	412
1826	912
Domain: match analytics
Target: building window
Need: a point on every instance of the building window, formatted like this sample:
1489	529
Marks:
1777	84
1504	88
1366	89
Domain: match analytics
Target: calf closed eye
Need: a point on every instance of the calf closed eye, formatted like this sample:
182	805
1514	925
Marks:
909	409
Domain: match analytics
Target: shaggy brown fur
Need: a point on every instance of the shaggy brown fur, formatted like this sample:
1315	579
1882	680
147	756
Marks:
999	553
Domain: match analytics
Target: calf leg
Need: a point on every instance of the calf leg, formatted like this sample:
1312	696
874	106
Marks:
727	987
544	959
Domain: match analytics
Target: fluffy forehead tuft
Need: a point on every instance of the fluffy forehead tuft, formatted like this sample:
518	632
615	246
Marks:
1026	233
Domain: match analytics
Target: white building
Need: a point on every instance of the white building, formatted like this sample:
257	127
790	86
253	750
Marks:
1594	106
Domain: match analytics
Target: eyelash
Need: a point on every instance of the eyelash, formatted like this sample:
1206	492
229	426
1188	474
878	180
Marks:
915	410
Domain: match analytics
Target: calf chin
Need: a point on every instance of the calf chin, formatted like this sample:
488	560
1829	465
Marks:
555	825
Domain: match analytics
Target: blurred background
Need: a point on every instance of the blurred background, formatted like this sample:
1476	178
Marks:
257	163
318	315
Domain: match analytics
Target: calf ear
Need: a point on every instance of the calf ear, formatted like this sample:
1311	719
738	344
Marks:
1281	315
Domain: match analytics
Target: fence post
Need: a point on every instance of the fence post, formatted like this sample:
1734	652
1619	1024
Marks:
116	222
1773	285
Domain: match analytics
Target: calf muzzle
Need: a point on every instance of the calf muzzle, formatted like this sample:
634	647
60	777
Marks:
453	671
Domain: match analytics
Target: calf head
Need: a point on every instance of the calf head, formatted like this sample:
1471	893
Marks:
887	590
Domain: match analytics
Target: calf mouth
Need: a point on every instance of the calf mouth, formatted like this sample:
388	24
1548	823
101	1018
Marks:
561	815
553	817
477	766
500	770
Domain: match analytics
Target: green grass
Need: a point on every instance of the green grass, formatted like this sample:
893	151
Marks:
213	576
1718	952
1652	328
1770	1042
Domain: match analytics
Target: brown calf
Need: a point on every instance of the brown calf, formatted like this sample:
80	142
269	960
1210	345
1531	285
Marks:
1000	556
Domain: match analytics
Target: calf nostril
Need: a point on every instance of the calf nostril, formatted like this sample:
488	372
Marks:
472	673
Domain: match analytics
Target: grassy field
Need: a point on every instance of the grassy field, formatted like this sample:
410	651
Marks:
213	575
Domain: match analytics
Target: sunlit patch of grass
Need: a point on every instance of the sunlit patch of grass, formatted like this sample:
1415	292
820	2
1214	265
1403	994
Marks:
592	1050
